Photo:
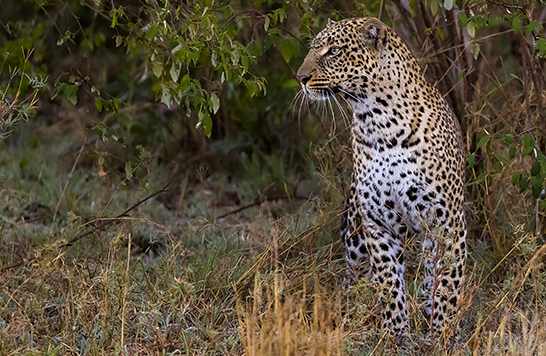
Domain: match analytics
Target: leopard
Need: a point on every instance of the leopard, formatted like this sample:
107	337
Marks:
407	181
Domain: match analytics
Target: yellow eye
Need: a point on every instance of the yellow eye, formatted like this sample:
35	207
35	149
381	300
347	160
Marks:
333	51
330	51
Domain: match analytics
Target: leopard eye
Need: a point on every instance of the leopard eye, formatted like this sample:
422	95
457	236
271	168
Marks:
332	51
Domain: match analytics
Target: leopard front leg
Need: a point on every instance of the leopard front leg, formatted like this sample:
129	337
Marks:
386	256
445	257
352	237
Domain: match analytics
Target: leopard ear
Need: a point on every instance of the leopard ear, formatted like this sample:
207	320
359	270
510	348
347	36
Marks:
374	33
330	22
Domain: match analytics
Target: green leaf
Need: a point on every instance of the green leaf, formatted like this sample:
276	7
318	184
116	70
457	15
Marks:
516	177
244	62
434	7
463	20
480	21
295	47
512	152
152	32
70	93
184	82
494	21
540	156
536	183
483	141
523	184
128	170
528	151
205	122
509	138
115	104
157	68
471	160
274	16
448	4
253	88
530	27
287	50
535	169
174	72
254	49
98	105
166	97
471	29
516	24
215	102
305	23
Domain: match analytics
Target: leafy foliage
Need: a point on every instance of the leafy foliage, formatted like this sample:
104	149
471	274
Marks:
24	91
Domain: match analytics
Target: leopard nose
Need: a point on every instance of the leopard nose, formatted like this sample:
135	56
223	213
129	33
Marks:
303	79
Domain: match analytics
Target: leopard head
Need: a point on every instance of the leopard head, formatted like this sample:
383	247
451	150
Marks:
347	57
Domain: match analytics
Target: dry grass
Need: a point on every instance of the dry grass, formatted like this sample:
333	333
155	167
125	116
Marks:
179	282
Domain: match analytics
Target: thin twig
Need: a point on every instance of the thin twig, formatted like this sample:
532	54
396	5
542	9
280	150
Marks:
112	220
259	202
64	189
99	227
122	215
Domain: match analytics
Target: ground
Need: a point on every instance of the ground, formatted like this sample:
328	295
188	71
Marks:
173	278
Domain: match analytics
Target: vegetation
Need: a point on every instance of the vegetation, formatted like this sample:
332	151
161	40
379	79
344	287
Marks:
105	103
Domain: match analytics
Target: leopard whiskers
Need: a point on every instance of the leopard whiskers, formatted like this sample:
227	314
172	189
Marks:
296	98
340	107
349	104
324	105
332	111
299	100
352	96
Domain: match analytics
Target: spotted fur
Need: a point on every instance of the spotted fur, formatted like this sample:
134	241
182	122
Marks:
407	179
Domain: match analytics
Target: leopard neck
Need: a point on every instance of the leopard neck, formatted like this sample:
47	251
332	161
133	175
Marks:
390	119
